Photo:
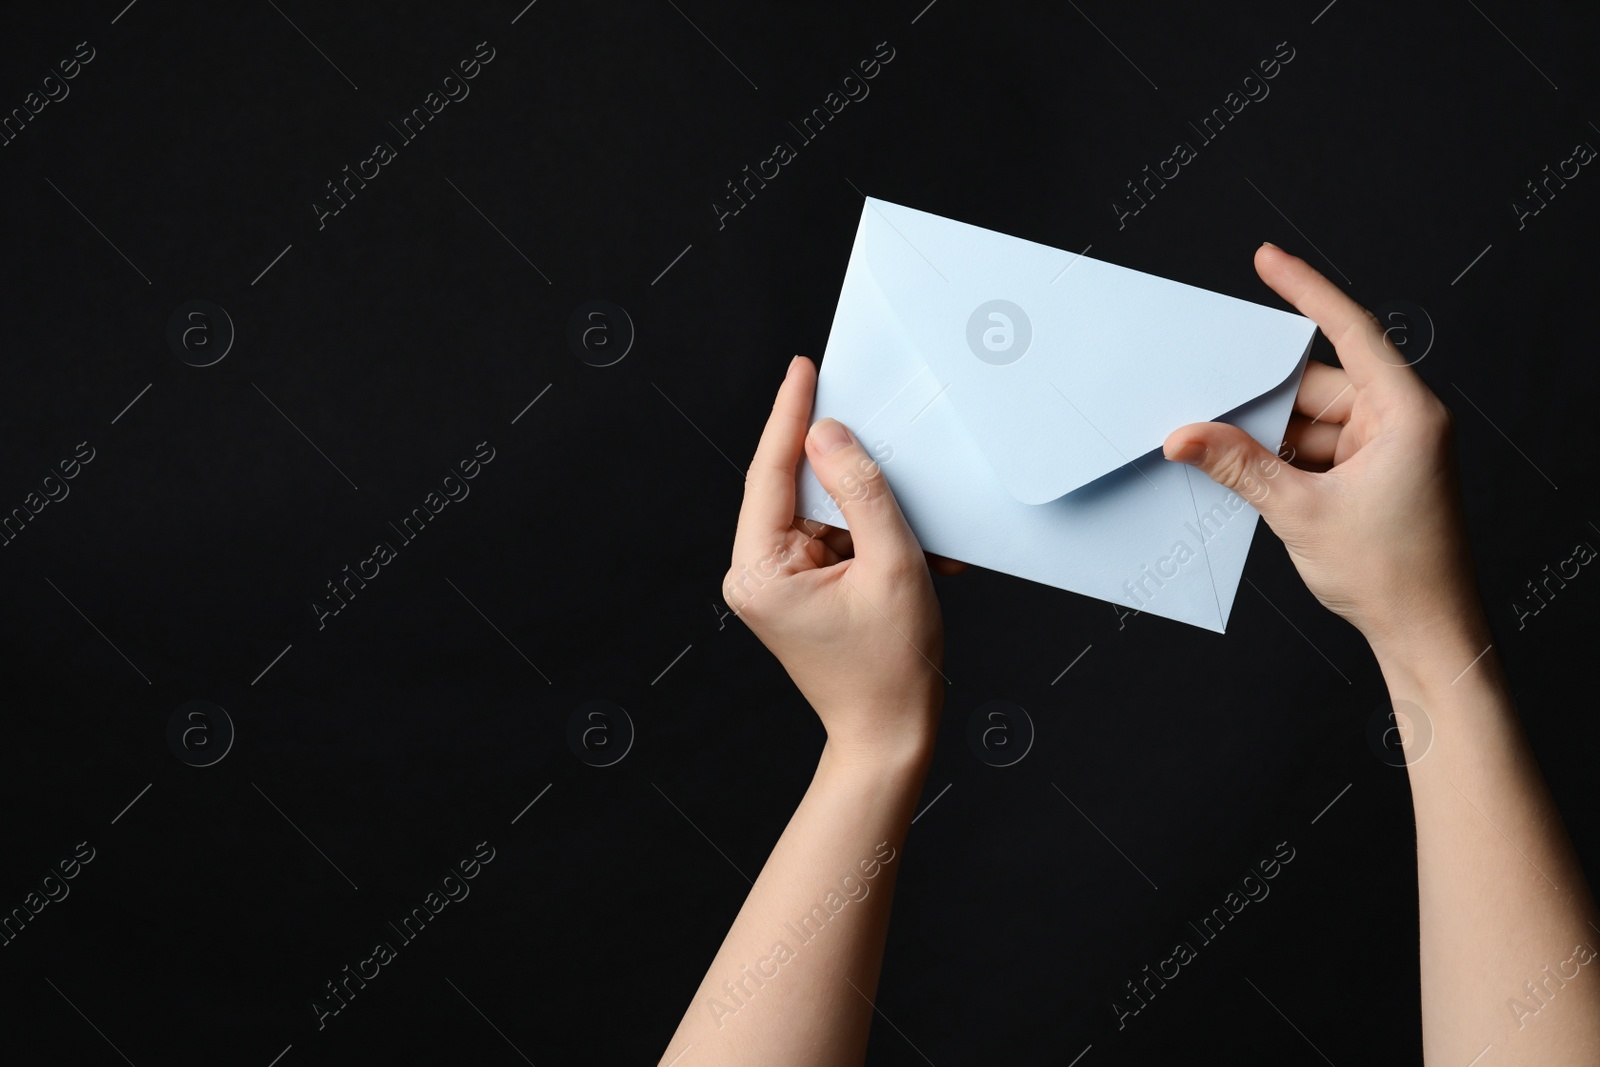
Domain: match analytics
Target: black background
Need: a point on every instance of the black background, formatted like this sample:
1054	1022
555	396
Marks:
407	330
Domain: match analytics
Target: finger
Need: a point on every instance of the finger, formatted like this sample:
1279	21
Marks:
858	486
836	538
825	552
944	565
1365	351
1308	442
768	505
1326	394
1235	460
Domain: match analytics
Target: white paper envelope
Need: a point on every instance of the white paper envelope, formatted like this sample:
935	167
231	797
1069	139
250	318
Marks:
1017	396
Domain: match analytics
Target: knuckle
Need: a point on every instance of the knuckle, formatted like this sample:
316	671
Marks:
730	589
1230	468
738	587
862	484
1364	322
1252	489
1444	419
1430	415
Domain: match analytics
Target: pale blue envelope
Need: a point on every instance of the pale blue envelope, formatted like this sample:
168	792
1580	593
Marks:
1017	396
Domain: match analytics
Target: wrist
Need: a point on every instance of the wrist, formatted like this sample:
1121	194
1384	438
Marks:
1446	657
1444	642
877	785
898	751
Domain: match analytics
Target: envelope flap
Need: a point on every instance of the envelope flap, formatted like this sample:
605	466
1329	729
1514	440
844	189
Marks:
1064	368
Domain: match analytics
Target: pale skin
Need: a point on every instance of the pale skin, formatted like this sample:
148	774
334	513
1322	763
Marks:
1370	512
853	618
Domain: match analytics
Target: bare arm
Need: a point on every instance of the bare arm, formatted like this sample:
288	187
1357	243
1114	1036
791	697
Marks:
1507	920
794	980
853	618
1371	516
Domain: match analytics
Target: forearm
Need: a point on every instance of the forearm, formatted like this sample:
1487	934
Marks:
794	980
1507	920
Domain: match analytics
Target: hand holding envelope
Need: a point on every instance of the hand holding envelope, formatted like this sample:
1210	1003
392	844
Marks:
1014	395
1370	515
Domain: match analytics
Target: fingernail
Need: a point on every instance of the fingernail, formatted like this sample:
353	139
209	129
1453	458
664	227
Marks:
790	368
1269	244
829	435
1189	452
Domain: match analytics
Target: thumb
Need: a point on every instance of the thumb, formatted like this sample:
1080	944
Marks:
856	483
1234	460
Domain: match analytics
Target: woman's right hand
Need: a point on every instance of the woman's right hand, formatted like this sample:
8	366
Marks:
1370	511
